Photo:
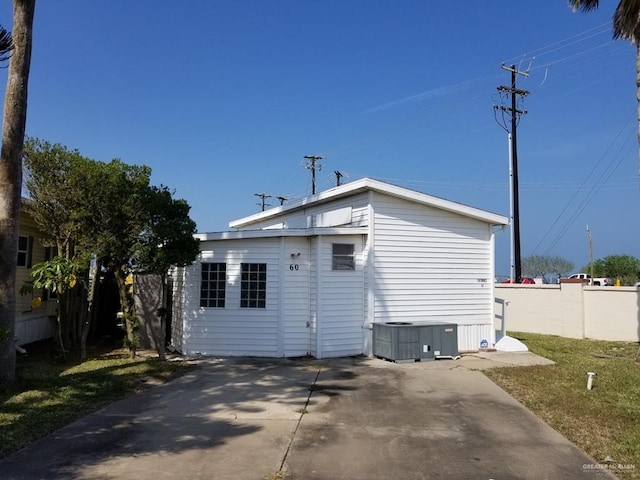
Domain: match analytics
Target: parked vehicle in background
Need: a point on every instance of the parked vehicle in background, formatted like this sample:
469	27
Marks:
596	282
523	280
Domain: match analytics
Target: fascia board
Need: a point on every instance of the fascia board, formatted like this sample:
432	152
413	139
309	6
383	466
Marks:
285	232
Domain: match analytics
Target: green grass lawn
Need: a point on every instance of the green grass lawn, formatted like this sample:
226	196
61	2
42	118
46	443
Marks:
603	422
50	393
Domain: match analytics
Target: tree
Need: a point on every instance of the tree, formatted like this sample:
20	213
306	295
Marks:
59	275
624	267
122	216
108	212
626	25
91	208
541	265
166	242
13	129
62	186
57	182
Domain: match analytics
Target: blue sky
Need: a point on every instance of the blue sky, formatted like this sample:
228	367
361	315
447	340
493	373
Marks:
223	99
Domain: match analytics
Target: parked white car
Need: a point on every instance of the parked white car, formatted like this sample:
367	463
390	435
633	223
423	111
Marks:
596	282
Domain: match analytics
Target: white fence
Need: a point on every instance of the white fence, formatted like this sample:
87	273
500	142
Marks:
34	327
571	310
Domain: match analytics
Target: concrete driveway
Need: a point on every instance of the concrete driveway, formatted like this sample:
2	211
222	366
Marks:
349	419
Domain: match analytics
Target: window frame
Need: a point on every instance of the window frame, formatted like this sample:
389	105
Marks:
25	255
253	285
213	288
341	261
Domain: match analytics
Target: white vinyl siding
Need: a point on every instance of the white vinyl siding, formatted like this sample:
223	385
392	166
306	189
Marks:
416	257
33	252
341	296
234	331
430	264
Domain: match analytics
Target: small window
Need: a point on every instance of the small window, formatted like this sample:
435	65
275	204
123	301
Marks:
213	285
253	285
25	249
343	256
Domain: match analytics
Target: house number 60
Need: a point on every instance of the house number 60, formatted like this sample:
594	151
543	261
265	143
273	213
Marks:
294	266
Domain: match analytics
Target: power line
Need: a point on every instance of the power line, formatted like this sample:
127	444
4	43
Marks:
446	99
597	185
514	113
611	168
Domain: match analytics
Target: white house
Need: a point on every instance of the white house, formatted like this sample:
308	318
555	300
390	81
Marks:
312	277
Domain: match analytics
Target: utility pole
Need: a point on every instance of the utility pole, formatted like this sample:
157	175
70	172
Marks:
513	112
263	197
312	165
339	175
281	200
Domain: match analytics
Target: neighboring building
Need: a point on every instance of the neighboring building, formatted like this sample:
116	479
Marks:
34	320
311	278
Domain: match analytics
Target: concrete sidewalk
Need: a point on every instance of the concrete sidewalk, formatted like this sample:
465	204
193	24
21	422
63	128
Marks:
355	418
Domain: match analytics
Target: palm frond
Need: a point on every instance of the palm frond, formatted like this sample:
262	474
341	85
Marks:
626	20
584	5
6	44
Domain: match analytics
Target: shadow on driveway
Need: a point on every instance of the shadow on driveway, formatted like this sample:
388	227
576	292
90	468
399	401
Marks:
351	419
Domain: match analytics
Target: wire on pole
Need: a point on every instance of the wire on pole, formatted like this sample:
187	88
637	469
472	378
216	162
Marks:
263	197
313	165
513	113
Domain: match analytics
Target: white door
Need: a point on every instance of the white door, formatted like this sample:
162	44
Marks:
340	297
295	303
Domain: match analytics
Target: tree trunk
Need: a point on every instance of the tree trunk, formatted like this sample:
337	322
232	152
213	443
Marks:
60	341
126	307
91	311
14	124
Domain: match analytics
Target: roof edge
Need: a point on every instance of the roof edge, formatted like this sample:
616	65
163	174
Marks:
368	183
284	232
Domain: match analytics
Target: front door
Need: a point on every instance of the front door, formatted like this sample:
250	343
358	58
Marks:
296	329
